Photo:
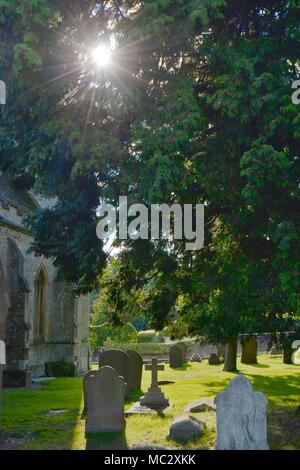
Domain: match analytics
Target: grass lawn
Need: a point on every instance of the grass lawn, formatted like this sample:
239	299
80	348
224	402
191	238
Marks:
25	411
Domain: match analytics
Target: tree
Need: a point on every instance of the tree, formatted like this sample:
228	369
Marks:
196	109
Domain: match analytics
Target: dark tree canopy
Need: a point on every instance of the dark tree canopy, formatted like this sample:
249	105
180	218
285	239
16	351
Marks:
195	108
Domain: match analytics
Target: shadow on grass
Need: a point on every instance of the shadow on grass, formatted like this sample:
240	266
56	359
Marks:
134	396
185	366
260	366
32	424
283	387
106	441
284	428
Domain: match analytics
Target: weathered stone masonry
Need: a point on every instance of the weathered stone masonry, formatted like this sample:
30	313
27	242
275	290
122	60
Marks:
41	320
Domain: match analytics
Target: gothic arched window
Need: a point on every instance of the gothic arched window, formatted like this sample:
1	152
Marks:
41	287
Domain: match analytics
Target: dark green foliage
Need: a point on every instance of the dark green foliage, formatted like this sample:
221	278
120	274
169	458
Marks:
196	109
149	336
60	369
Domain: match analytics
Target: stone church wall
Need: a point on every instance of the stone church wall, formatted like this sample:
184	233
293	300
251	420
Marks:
67	316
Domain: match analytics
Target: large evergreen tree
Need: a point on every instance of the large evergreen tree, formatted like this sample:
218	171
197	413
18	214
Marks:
195	108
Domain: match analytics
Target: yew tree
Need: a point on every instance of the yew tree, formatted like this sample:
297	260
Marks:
195	107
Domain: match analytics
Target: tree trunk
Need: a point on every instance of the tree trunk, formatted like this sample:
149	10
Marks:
231	353
221	350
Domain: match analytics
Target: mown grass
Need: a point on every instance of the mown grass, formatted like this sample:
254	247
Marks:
25	411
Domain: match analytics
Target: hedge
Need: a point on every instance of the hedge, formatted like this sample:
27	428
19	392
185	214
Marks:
60	369
145	348
149	336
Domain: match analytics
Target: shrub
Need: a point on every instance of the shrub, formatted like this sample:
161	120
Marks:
149	336
145	349
118	334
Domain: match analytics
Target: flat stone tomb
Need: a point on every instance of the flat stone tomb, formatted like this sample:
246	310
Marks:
154	397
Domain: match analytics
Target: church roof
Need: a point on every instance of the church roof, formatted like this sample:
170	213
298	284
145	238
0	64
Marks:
19	199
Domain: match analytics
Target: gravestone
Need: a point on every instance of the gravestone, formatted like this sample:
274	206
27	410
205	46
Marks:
135	369
154	397
185	428
249	349
118	360
184	351
105	402
85	382
296	353
288	355
196	357
241	417
2	353
296	357
276	351
214	359
2	363
176	356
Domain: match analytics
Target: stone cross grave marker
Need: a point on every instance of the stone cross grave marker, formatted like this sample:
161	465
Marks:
241	417
154	398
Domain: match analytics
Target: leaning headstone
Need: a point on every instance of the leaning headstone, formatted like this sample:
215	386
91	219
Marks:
214	359
176	356
135	370
241	417
154	397
118	360
186	428
105	402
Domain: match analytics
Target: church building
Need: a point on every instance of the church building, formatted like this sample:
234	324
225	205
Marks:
42	321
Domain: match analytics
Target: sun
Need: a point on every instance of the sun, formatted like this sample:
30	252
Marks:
102	55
